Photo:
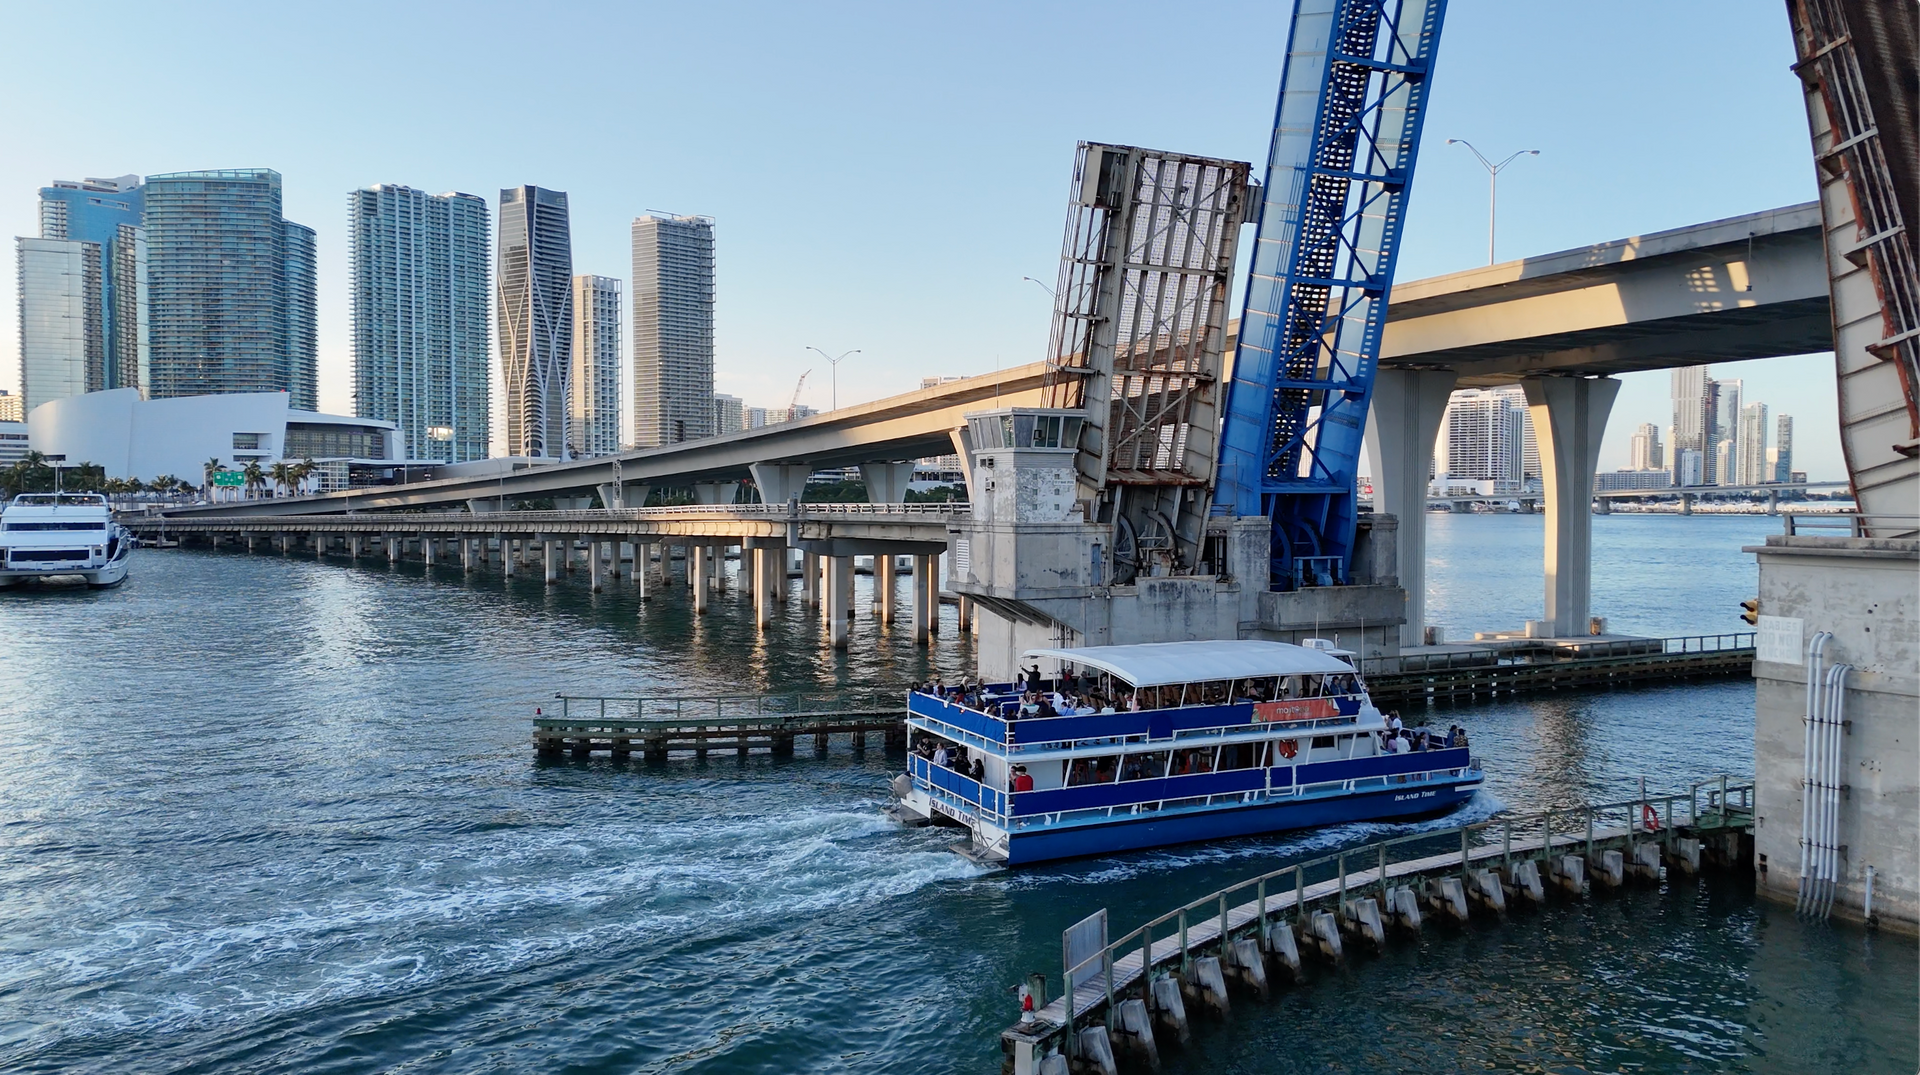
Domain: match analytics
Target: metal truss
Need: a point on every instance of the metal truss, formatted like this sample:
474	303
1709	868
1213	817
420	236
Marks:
1352	100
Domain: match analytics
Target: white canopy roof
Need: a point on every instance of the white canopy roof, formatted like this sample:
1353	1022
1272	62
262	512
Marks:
1155	664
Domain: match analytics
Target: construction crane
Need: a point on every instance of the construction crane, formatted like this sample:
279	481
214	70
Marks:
1347	130
794	404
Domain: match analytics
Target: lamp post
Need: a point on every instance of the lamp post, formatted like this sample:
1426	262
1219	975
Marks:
1041	286
1493	183
833	365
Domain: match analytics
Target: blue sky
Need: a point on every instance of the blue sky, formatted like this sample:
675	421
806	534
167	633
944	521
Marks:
882	175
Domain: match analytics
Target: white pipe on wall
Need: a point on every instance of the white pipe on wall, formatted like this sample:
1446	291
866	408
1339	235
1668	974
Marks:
1810	767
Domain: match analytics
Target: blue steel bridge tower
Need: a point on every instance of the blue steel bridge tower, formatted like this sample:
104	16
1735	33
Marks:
1353	95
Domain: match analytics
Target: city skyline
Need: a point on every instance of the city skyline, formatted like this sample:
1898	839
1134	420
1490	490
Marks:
533	279
763	104
673	304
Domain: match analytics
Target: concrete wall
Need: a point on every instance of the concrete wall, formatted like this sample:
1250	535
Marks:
1864	592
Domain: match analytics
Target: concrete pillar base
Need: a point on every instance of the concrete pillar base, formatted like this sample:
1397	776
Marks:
839	599
1569	417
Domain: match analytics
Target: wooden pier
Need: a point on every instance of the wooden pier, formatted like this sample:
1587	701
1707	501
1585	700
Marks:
1116	995
656	727
1465	673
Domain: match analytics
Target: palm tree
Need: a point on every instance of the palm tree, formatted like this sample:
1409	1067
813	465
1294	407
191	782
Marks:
282	475
254	476
209	469
298	473
166	485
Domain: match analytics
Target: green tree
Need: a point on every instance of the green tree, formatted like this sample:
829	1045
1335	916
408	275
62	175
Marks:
282	475
255	478
208	469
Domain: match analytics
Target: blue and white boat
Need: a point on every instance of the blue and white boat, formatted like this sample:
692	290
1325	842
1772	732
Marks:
1167	743
52	535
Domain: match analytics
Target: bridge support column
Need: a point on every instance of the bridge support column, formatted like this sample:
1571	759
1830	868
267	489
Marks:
780	482
430	549
508	561
550	549
1686	503
353	546
593	564
715	492
1569	416
809	579
394	548
885	573
467	553
1407	408
697	575
966	614
763	563
926	597
886	482
839	599
613	559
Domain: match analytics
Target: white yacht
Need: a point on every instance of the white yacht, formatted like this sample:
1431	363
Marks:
48	535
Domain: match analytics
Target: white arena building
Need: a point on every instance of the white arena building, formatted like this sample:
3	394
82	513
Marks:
139	438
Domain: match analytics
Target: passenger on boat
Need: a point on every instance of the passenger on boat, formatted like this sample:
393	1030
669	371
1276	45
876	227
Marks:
979	769
1022	780
1393	721
941	757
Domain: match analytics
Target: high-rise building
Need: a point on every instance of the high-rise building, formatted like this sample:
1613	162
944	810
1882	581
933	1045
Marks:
535	280
108	213
230	286
1751	469
730	414
10	409
1529	444
1687	468
1483	437
418	267
672	329
61	350
1692	421
755	418
1644	450
593	412
1726	431
1782	453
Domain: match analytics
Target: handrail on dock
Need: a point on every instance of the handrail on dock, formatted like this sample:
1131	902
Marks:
1549	650
1286	892
634	710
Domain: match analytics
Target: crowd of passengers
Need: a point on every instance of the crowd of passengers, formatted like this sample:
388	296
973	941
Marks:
1396	739
1071	694
951	756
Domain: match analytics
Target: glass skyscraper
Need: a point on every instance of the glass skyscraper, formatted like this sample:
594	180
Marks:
535	282
82	290
418	264
672	330
230	283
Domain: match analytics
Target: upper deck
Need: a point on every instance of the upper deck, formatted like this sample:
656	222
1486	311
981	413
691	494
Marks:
1156	692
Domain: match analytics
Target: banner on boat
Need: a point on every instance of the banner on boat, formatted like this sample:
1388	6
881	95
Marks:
1296	709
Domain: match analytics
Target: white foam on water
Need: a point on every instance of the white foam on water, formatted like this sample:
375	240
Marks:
488	910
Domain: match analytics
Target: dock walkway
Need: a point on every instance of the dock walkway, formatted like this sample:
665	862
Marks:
1222	936
659	726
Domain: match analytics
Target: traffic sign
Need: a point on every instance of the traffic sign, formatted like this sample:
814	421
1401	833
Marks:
226	479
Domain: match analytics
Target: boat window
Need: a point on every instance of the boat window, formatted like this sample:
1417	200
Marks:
1188	762
56	526
1144	766
1320	741
1101	770
1240	756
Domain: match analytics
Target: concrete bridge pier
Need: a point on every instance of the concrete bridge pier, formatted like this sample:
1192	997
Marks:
839	599
885	573
550	558
1569	417
393	548
508	561
697	575
429	549
926	598
468	553
1407	408
642	552
353	546
810	579
594	566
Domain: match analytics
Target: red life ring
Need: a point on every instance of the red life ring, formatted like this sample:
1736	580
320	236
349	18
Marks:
1648	819
1289	747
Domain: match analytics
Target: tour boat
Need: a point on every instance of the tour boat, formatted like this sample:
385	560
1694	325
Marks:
1168	743
45	535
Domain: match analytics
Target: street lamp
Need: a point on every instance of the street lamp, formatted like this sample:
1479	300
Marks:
1493	183
1040	285
834	368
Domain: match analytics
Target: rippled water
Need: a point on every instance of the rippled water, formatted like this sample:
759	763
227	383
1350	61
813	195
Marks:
261	814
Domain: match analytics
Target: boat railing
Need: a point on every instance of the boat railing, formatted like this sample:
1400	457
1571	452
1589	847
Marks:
1707	803
1541	651
724	708
991	802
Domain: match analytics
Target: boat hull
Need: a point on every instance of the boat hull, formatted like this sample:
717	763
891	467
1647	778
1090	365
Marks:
1137	833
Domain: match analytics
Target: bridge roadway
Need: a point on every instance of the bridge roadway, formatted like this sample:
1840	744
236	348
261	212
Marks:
828	536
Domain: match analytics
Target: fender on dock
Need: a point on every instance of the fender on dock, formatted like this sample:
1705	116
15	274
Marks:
1135	1036
1403	908
1170	1008
1323	932
1646	862
1485	889
1610	869
1285	951
1570	873
1208	985
1361	917
1249	967
1096	1051
1684	853
1523	878
1447	896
